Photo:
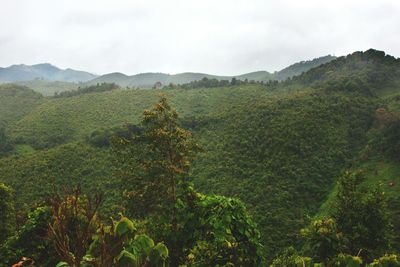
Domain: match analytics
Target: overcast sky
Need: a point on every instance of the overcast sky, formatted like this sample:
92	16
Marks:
225	37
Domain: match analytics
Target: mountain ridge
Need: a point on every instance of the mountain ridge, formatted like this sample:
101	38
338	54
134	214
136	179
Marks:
148	79
43	71
50	73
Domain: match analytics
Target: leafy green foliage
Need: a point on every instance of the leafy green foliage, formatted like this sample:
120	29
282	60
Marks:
388	260
322	240
122	245
344	260
291	258
31	241
361	217
217	231
141	250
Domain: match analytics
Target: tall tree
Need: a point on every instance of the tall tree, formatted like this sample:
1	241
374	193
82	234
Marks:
155	162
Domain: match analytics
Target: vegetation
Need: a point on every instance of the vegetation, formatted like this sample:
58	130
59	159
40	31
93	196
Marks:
317	152
104	87
198	229
7	212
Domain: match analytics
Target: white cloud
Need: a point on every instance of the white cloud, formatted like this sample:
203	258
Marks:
221	37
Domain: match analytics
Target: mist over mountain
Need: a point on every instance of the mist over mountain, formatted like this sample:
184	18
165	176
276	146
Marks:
146	80
44	71
42	76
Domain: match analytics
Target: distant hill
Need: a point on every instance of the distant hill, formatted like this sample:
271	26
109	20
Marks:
302	66
48	79
44	71
146	80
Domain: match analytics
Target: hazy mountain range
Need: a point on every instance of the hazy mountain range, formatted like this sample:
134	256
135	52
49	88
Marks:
43	71
47	73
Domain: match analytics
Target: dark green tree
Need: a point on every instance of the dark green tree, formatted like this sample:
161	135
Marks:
5	145
322	240
361	216
7	216
155	162
31	241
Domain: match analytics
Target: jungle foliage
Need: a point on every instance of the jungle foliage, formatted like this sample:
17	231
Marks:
278	148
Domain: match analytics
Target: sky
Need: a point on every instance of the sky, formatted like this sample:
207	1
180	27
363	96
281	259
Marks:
222	37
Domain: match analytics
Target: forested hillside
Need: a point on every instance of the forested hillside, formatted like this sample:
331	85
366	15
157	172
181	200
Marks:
289	151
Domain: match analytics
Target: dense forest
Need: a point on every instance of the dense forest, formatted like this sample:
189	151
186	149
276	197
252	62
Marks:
214	172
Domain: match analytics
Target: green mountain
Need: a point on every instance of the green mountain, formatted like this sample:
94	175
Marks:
300	67
279	148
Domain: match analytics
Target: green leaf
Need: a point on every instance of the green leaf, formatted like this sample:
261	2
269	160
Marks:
124	226
158	254
62	264
162	250
126	258
144	243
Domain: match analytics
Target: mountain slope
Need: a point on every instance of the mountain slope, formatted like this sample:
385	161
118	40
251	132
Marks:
280	150
16	102
42	71
300	67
